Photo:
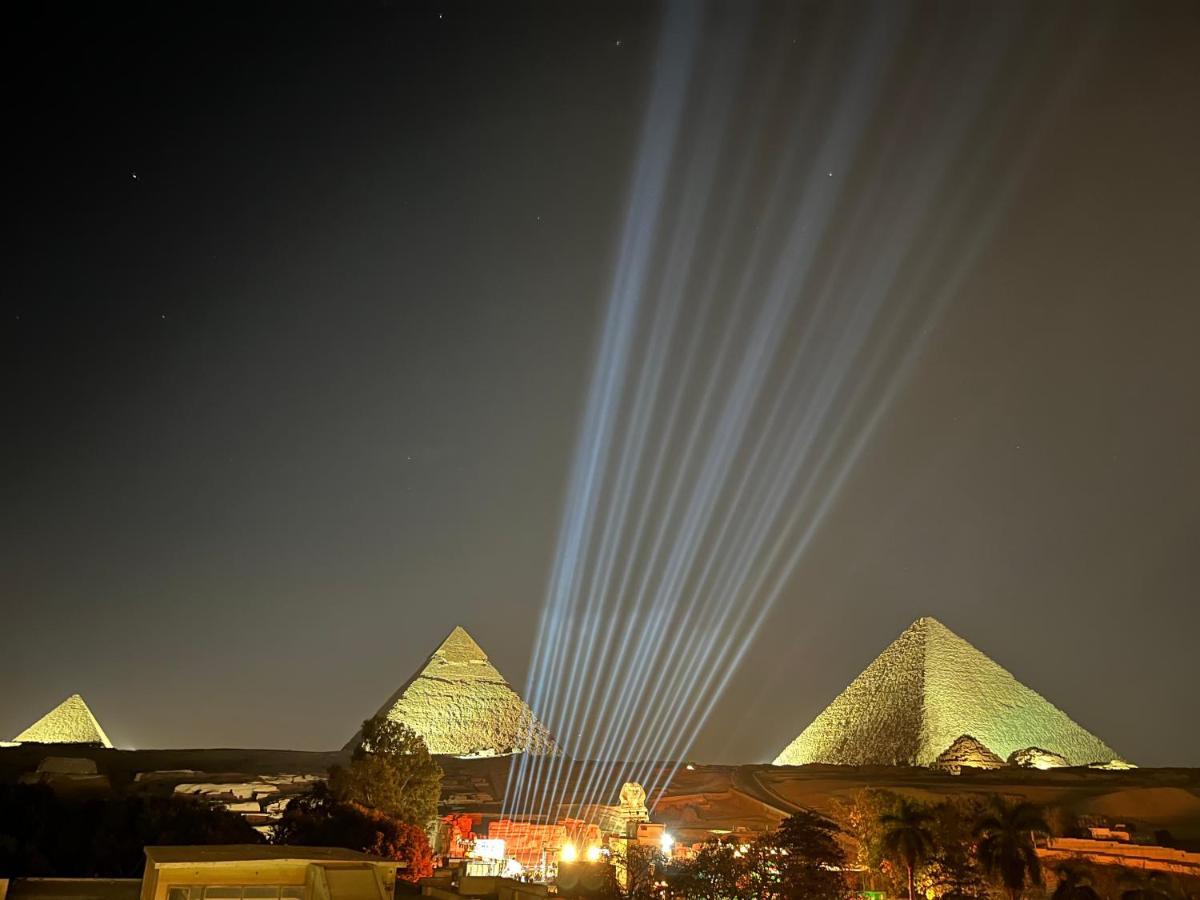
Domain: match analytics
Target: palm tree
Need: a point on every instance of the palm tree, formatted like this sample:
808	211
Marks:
907	838
1004	835
1074	883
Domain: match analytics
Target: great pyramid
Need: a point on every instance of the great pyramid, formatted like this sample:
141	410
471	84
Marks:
462	706
923	692
71	722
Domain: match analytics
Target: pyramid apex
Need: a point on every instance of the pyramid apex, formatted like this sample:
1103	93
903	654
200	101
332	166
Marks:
928	625
460	645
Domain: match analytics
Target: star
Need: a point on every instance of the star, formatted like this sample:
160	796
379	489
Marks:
618	43
134	175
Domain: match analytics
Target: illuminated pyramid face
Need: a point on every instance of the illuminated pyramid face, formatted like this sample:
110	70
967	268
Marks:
462	706
71	722
925	691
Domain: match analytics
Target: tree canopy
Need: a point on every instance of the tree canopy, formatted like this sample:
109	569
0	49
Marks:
318	820
45	834
800	860
1004	836
907	837
391	771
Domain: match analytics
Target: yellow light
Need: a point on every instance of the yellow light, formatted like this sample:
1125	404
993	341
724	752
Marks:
667	842
568	853
593	854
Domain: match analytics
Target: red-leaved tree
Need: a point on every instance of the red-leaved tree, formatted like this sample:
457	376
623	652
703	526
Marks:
320	821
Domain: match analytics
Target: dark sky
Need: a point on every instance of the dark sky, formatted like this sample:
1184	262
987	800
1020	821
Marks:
301	302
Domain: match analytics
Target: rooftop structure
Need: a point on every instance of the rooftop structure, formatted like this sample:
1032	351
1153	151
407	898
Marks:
927	689
264	872
462	706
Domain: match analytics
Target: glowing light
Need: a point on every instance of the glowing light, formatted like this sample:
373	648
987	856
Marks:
741	372
593	854
568	853
667	843
489	848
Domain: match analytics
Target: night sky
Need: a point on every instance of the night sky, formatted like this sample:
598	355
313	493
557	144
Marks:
300	308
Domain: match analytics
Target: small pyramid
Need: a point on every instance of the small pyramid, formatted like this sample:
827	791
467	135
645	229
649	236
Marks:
928	688
462	706
967	753
71	722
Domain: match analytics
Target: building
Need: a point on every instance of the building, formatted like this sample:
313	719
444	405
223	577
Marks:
229	872
263	872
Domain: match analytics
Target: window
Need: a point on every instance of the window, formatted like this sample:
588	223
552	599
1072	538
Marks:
236	892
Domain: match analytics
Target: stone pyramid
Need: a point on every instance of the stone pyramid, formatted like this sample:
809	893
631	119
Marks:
71	722
967	753
924	691
462	706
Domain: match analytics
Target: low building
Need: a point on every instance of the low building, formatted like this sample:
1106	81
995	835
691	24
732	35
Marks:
229	872
1118	853
262	872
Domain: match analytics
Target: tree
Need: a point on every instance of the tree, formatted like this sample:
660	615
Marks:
952	872
800	860
1005	835
44	834
318	820
860	818
391	771
1074	883
641	867
809	860
907	839
717	872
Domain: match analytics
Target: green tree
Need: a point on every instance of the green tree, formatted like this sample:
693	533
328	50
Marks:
1074	883
860	818
717	872
1005	835
45	834
952	872
805	852
641	868
391	771
320	821
907	837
